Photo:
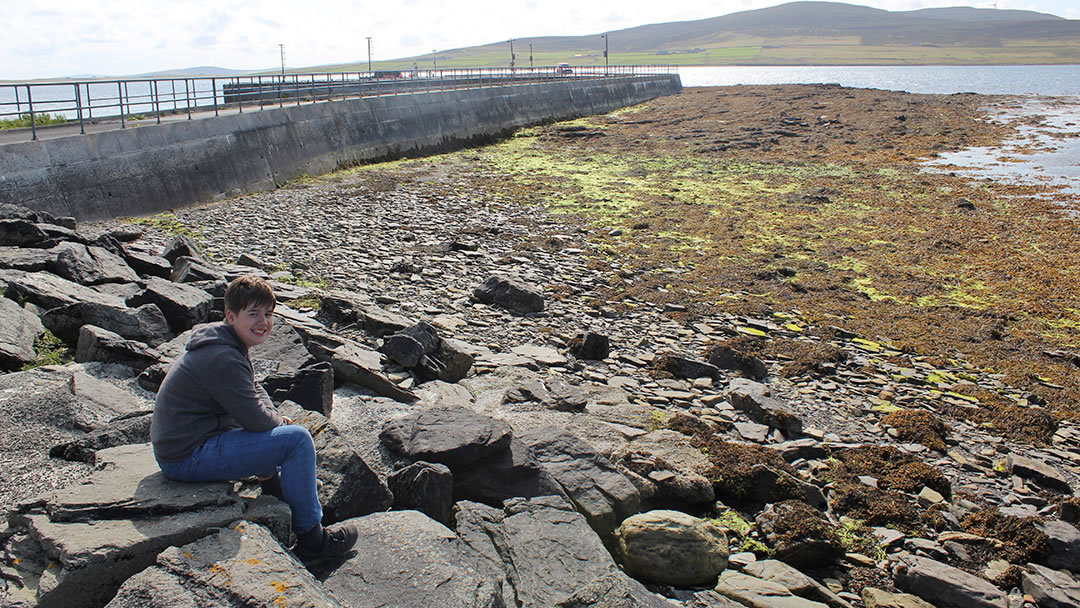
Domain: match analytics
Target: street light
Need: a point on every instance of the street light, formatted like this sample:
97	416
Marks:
282	47
511	53
368	53
434	65
530	55
605	37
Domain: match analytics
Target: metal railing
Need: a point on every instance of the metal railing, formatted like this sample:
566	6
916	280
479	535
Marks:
135	100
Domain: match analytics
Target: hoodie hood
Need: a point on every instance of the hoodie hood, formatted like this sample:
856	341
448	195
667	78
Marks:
215	333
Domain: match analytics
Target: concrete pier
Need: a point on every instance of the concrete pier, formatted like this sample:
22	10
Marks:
153	168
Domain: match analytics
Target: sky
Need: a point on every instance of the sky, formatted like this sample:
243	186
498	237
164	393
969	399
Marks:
107	37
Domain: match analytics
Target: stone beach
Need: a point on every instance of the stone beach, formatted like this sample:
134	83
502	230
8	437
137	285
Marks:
498	437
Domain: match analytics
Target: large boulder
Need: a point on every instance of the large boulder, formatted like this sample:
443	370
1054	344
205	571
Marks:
456	437
1050	588
18	330
239	565
672	548
546	548
1064	544
510	473
511	293
184	306
599	491
97	344
420	348
945	586
105	530
90	265
405	558
349	487
424	487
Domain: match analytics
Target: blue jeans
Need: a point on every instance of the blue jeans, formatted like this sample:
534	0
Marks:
239	454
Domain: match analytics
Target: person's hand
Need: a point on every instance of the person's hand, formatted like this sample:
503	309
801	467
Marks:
287	420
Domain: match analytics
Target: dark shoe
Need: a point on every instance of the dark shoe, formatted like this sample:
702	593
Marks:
335	542
271	486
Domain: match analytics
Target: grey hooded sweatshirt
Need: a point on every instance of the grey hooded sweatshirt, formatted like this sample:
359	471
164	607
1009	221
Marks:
208	390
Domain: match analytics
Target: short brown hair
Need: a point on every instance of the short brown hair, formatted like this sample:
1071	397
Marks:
249	290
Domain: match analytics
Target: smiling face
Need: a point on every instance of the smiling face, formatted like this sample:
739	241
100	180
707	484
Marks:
252	323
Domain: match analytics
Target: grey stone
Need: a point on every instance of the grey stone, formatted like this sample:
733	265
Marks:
590	346
240	565
725	357
26	260
18	330
614	590
752	398
455	437
349	487
378	322
712	599
181	246
599	491
541	354
192	270
758	593
312	387
946	586
1064	543
184	306
21	233
511	293
682	367
354	363
450	363
806	448
147	265
97	344
795	581
544	546
815	545
145	323
404	558
90	265
672	548
102	532
506	474
878	598
552	393
124	430
425	487
98	401
408	346
1039	472
1050	588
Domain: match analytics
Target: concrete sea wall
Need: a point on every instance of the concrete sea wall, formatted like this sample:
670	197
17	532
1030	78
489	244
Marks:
149	169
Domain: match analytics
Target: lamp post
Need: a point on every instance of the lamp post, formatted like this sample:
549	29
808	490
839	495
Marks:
511	53
530	55
368	53
434	65
281	46
605	37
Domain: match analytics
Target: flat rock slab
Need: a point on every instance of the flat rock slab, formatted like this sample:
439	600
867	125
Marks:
363	366
1039	472
18	330
241	565
405	558
758	593
752	398
615	590
945	586
599	491
83	541
456	437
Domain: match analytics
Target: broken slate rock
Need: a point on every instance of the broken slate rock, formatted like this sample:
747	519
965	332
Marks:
1050	588
945	586
97	344
1039	472
455	437
312	387
405	558
511	293
181	246
725	357
184	306
598	490
357	364
754	592
124	430
239	565
672	548
18	330
90	265
590	346
426	487
1064	544
753	399
795	581
614	590
349	487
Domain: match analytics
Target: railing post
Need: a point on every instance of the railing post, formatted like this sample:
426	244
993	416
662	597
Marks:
30	105
296	86
187	98
78	109
213	87
120	97
157	100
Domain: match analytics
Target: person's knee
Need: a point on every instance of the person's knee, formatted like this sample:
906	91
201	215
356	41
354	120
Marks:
298	437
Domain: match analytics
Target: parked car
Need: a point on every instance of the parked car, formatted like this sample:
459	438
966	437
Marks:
563	68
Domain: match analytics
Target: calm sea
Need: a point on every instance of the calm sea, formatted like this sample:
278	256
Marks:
1000	79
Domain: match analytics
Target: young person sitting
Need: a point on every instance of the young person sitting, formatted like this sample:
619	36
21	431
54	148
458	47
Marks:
212	422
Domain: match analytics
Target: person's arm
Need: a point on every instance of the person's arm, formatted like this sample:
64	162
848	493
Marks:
234	389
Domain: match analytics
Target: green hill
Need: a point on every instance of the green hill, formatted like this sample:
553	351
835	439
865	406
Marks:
798	33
